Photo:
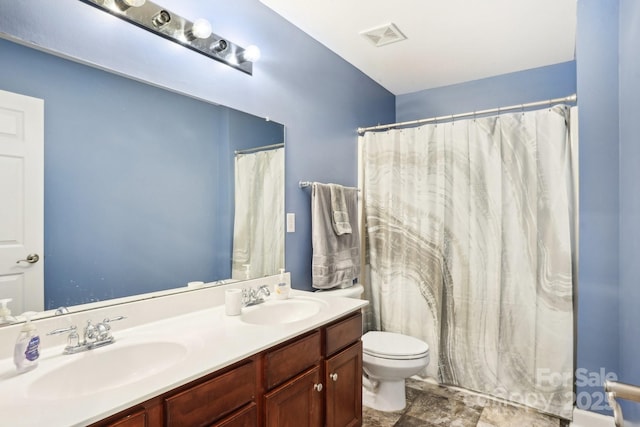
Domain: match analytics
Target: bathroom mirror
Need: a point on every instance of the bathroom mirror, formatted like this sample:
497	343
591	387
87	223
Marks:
139	182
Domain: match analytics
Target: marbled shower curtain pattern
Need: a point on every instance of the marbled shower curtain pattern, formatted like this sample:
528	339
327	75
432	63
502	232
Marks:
470	245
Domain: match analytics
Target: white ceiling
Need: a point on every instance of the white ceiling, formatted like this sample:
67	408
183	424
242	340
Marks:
448	41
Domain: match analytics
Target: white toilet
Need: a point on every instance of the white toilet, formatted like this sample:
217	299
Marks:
387	360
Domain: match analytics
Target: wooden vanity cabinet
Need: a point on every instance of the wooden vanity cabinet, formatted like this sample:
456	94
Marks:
323	374
209	401
343	372
343	379
297	403
246	417
146	414
312	380
226	398
293	383
135	419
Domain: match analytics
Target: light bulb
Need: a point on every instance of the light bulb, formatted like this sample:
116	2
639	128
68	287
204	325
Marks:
201	28
251	53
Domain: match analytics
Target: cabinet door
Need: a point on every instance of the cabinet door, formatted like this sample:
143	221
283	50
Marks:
344	387
297	403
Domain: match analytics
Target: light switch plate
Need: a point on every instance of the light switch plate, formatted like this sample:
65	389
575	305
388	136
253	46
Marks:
291	222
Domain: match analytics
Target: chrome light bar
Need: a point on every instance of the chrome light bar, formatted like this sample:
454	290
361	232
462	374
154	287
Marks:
196	35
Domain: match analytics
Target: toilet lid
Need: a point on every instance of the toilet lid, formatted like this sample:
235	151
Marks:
393	346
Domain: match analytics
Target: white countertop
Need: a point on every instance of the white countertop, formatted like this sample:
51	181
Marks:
212	341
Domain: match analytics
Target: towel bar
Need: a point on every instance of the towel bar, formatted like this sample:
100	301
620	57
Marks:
623	391
305	184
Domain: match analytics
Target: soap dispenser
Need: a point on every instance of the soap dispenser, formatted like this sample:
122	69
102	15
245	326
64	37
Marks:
282	288
5	314
27	349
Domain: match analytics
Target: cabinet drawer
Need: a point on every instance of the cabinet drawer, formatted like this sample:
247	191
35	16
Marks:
287	361
137	419
247	417
146	414
207	402
343	333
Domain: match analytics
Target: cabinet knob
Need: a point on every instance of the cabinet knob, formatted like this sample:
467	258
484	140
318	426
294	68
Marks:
317	387
334	376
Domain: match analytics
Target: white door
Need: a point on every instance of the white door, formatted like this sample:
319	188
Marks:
22	201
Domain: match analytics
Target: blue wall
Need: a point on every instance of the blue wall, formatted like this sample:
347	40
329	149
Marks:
597	76
597	71
553	81
629	199
319	97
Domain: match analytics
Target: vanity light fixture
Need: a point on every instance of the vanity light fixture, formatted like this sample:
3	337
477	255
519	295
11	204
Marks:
219	46
126	4
161	19
201	29
196	35
251	54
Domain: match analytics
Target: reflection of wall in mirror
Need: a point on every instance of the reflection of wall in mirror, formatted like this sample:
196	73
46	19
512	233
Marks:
137	194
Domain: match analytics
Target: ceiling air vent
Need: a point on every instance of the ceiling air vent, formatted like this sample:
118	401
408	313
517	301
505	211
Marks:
384	35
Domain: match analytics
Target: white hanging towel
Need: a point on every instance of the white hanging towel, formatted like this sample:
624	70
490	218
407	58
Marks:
336	257
339	212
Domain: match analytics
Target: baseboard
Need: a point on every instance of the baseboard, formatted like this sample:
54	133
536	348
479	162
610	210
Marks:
582	418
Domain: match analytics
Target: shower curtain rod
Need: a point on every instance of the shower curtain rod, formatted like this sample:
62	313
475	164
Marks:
549	102
263	148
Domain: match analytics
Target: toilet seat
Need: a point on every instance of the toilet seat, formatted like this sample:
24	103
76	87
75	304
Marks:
389	345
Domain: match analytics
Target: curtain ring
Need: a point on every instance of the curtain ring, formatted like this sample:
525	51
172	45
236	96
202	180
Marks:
453	120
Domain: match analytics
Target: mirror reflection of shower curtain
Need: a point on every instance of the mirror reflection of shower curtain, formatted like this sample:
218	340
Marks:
258	230
471	240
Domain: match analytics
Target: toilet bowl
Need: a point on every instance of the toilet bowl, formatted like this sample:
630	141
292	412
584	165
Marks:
387	360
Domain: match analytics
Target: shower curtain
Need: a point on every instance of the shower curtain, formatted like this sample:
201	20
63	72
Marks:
471	241
258	229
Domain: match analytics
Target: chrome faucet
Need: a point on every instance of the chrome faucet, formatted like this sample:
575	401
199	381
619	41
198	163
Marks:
253	296
94	336
61	310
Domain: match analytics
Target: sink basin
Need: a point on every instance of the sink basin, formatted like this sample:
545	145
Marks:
106	368
275	312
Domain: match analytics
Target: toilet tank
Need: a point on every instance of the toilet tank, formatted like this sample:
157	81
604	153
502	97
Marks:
354	291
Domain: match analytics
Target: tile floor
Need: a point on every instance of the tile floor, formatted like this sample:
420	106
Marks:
430	405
